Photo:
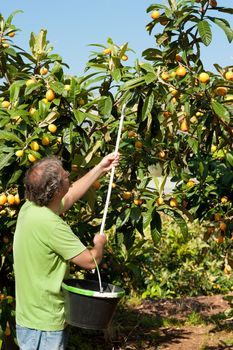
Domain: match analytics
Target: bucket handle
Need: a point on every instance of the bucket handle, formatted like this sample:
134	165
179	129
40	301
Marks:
98	273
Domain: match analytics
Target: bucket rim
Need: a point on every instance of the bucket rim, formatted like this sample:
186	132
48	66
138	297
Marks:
91	293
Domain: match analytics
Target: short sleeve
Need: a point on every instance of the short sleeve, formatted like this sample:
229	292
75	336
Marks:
64	242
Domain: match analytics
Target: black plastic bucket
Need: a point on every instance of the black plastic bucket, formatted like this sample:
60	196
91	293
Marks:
87	307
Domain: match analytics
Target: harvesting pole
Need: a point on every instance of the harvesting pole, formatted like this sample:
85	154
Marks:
112	171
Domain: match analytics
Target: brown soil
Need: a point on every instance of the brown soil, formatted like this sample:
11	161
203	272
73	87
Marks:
192	323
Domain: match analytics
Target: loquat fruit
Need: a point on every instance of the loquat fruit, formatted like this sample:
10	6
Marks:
138	201
124	58
52	128
45	141
96	184
43	70
229	75
11	199
165	76
107	51
221	91
5	104
222	226
34	146
11	34
224	199
126	195
160	201
32	158
19	153
203	77
190	184
138	144
155	14
181	71
17	199
3	199
50	95
173	202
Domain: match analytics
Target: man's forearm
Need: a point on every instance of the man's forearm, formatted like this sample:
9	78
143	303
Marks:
80	186
90	257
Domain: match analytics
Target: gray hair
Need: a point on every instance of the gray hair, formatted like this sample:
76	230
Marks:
43	180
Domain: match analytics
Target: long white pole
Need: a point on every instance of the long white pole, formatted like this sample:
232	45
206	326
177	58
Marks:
112	172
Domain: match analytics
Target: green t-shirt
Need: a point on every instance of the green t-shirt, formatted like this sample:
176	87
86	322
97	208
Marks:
43	244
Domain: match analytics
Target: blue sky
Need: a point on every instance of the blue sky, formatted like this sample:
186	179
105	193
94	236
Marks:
74	24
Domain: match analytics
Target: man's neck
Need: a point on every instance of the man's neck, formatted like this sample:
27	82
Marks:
55	205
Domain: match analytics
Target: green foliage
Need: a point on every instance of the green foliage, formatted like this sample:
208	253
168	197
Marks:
180	264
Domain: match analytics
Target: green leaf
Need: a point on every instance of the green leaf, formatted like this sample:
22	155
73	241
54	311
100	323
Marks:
38	44
150	77
16	175
155	7
51	117
147	217
162	185
185	17
155	226
224	25
147	105
31	87
110	41
79	116
107	106
152	54
148	67
205	32
5	160
226	10
7	135
57	87
178	219
221	111
129	237
116	74
123	218
15	89
193	144
135	215
97	66
4	121
162	38
123	49
9	19
229	158
132	83
58	58
201	168
93	151
11	52
89	81
57	70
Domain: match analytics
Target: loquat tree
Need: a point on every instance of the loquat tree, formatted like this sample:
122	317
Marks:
177	123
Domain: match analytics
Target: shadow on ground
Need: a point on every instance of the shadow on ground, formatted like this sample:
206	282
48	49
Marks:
162	324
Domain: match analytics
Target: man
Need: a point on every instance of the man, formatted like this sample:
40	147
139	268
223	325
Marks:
43	247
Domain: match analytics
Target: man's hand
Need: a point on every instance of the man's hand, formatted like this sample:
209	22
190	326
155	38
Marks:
108	162
99	239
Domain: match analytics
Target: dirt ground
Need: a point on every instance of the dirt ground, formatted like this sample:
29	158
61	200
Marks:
212	331
193	323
